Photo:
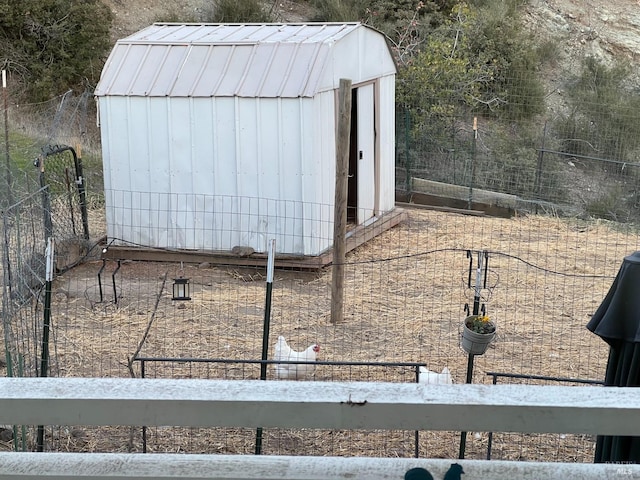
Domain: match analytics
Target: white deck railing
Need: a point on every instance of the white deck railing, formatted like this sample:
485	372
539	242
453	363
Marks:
326	405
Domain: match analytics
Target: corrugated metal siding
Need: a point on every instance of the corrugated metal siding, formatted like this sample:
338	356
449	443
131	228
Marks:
172	33
194	174
272	60
324	148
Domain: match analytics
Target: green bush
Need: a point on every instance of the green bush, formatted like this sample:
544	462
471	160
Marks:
478	60
54	45
497	40
337	11
235	11
403	21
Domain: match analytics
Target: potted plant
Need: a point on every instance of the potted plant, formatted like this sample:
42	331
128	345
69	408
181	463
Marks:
478	331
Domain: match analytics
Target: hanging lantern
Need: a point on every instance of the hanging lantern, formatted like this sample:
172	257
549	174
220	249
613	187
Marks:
181	289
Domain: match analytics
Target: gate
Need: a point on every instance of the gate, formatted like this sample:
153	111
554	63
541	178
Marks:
64	203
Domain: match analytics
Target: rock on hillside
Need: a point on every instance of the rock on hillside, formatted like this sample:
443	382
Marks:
607	30
133	15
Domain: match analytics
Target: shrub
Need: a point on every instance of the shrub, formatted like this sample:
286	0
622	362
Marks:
602	121
235	11
54	45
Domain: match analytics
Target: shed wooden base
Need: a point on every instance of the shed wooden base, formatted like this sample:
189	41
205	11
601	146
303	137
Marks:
355	237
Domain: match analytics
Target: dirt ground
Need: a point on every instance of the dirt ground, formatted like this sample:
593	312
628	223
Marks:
404	297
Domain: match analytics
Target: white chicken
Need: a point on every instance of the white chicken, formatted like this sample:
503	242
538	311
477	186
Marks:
433	378
293	371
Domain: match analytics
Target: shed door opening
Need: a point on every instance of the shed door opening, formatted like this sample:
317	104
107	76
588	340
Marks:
361	184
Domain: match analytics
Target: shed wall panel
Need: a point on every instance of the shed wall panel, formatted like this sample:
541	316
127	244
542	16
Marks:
119	141
224	160
247	146
374	58
154	132
270	140
178	154
345	61
203	151
323	143
293	159
135	159
362	56
200	173
310	177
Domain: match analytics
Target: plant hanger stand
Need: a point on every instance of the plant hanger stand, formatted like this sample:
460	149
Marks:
474	348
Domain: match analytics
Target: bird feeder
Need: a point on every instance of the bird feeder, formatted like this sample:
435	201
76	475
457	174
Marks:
181	289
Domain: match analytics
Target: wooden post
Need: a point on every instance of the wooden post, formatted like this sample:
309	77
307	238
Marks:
340	207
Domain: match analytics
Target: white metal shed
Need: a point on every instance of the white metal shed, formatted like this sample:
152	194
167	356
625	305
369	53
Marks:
219	135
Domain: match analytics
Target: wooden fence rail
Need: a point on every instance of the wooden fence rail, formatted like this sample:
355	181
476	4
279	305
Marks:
326	405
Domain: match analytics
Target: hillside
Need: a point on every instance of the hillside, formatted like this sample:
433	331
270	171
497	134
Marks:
583	27
132	15
607	30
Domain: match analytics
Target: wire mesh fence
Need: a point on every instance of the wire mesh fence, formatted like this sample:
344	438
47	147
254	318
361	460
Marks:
405	293
572	213
27	225
278	441
569	448
537	171
217	222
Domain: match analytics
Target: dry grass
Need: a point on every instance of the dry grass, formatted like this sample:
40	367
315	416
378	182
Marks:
404	292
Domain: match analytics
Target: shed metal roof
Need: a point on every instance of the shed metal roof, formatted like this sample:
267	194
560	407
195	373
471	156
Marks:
248	60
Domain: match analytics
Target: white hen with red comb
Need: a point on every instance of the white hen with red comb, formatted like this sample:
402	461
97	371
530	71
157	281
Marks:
294	371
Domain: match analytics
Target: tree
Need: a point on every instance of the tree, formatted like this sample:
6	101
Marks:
54	45
497	38
444	76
